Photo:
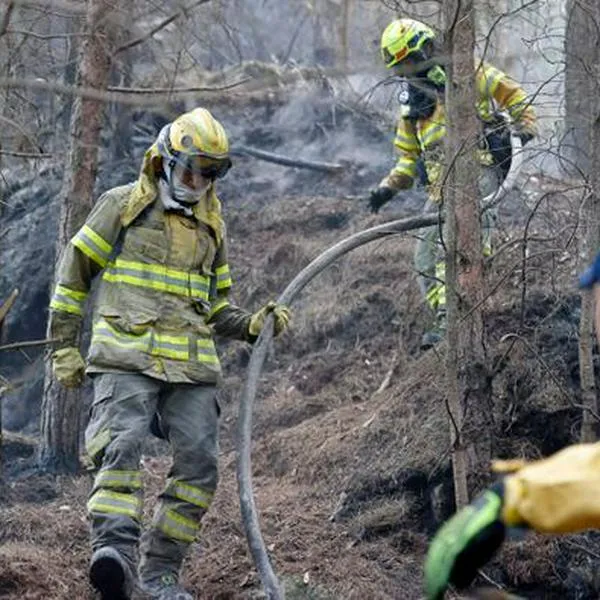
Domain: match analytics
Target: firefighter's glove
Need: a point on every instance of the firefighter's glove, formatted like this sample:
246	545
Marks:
281	314
525	137
465	543
591	275
379	196
68	366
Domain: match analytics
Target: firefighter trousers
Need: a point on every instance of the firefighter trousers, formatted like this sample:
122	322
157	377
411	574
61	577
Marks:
123	407
429	257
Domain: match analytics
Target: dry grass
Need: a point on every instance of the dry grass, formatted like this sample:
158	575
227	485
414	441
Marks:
351	438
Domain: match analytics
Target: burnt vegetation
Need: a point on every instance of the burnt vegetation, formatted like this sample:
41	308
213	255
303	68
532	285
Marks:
352	444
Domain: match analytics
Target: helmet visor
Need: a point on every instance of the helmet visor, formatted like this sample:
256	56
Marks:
209	168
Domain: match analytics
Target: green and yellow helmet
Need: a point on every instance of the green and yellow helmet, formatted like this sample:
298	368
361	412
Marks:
403	38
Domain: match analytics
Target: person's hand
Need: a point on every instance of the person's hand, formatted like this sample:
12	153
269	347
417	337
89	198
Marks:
281	315
591	275
379	196
464	543
68	366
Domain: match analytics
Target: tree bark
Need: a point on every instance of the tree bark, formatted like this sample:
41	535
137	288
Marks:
61	417
579	39
583	111
469	389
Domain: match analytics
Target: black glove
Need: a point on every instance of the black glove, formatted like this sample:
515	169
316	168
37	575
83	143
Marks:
379	196
525	137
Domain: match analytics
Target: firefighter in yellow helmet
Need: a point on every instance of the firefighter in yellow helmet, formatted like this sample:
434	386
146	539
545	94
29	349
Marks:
408	47
558	494
158	247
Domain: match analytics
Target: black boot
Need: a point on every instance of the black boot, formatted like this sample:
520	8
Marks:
110	574
437	332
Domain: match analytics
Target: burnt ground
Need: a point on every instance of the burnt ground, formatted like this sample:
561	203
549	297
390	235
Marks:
351	440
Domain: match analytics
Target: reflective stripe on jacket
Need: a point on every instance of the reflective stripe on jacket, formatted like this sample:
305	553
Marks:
423	137
163	286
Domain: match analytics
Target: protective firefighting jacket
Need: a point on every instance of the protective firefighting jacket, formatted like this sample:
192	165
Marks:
423	137
163	286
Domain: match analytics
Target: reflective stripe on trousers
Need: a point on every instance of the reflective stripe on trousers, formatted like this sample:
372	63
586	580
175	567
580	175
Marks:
429	259
123	407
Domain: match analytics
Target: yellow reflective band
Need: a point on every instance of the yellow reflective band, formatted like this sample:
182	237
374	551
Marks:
223	277
74	294
432	133
436	296
104	332
440	271
156	344
492	79
98	443
177	526
67	300
64	307
216	308
92	245
109	502
207	352
89	252
405	165
170	346
189	493
158	277
98	240
405	142
118	479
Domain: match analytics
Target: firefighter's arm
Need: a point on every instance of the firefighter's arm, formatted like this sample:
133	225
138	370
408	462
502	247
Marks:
510	97
232	321
406	144
558	494
82	259
401	177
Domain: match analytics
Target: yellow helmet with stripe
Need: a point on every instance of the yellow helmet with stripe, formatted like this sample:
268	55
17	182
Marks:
403	38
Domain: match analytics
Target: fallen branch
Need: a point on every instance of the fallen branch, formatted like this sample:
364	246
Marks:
6	306
27	344
26	154
139	40
114	94
388	376
286	161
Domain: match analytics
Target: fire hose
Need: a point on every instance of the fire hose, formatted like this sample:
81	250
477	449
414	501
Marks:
268	578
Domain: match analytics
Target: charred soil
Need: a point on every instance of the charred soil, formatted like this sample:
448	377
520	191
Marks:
351	456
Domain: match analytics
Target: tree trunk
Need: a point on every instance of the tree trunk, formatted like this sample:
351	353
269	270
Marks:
583	110
59	449
579	39
469	389
344	34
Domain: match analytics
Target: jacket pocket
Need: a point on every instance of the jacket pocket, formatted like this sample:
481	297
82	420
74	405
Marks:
145	245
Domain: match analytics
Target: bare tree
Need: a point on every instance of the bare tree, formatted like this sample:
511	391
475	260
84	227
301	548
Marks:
59	445
582	50
468	386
